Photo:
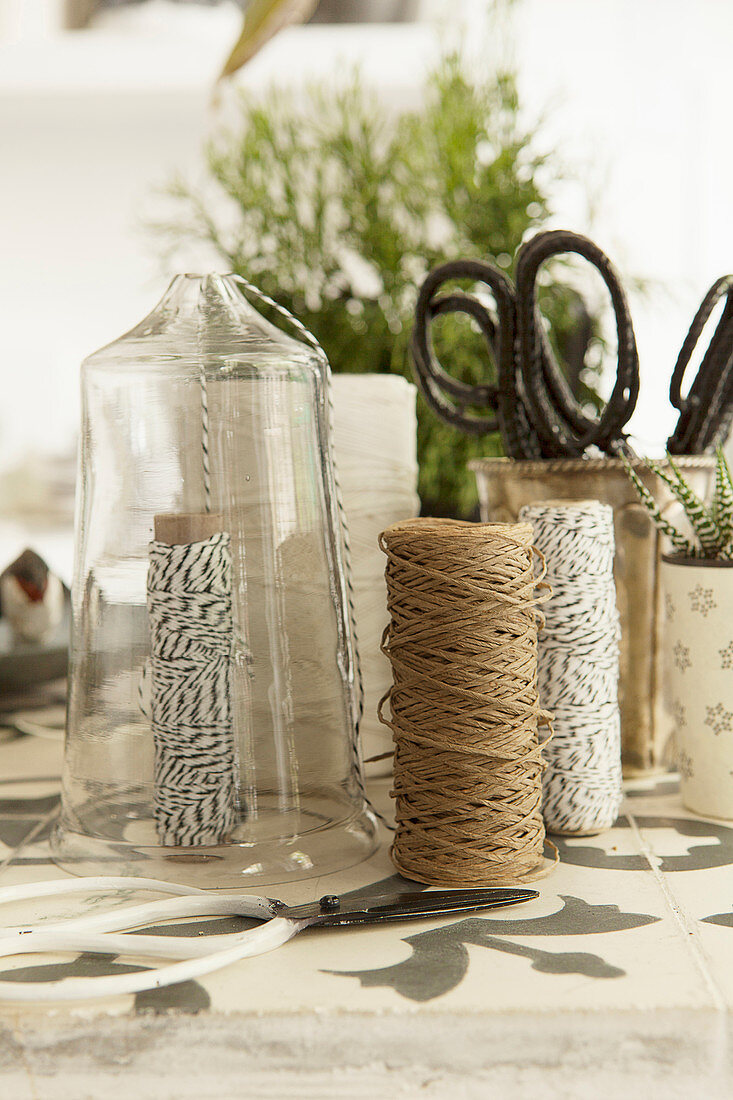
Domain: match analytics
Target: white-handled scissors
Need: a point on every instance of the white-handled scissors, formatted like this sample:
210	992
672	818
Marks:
112	932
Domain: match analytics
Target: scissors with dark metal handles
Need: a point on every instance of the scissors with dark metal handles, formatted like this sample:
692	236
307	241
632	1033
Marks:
112	932
707	410
531	402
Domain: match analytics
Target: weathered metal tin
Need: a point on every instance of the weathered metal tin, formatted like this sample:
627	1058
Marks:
504	485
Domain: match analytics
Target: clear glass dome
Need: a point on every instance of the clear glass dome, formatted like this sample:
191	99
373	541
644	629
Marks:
225	751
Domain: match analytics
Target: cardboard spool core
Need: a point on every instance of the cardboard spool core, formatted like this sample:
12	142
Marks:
178	528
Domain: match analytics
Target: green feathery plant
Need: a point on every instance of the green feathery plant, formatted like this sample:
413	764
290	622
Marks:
338	208
712	524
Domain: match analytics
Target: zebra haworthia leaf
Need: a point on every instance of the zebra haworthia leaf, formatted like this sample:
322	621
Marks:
664	526
701	519
723	503
712	524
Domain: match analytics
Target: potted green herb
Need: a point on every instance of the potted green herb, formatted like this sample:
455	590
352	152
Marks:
697	581
338	207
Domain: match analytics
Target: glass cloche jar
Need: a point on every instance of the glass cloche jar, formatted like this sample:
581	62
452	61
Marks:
213	687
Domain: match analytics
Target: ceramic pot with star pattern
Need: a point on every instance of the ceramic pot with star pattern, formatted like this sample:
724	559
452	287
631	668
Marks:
698	602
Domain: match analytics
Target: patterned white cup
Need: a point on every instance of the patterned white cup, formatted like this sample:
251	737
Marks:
698	602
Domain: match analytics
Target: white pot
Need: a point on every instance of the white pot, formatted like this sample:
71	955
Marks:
698	597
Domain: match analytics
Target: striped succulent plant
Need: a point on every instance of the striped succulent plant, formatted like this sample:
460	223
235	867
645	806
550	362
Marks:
712	523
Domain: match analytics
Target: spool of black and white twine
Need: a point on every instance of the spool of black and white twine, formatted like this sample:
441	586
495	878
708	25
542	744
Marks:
191	628
578	666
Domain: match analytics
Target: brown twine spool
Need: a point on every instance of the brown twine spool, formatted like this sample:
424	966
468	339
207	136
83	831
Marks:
462	642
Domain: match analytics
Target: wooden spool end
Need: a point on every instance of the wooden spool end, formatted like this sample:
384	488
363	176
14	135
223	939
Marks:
177	528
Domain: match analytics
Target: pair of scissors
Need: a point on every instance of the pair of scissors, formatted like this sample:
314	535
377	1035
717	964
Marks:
531	402
707	410
112	932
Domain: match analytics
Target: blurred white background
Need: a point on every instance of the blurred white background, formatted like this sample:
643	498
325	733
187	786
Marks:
634	93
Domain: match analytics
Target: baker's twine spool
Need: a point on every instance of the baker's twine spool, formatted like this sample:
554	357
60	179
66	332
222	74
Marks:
579	666
464	709
191	630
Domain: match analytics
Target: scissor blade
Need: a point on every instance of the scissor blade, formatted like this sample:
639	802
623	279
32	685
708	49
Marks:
407	906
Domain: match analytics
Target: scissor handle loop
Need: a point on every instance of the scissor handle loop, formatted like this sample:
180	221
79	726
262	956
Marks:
96	932
446	395
706	410
561	425
255	941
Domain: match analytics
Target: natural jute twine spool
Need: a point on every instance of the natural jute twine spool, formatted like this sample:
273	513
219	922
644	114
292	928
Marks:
462	641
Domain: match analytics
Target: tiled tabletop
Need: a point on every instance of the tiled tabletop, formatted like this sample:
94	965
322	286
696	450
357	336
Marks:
620	975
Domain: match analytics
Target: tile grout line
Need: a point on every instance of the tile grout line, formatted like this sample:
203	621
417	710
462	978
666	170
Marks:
690	933
28	838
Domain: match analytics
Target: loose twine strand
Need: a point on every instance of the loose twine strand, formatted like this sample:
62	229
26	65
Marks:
464	711
343	567
205	460
578	666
